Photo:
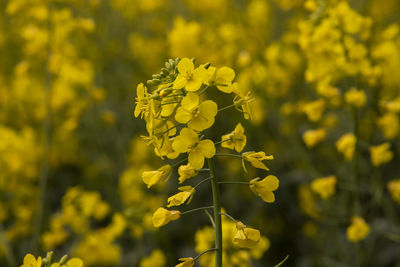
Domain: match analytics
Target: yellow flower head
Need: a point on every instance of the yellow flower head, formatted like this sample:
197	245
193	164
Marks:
142	101
235	140
356	97
30	261
186	262
223	79
197	116
256	158
312	137
188	141
156	259
394	189
358	229
163	216
346	145
152	177
180	198
243	101
74	262
380	154
389	124
265	187
324	186
189	77
185	172
246	237
314	110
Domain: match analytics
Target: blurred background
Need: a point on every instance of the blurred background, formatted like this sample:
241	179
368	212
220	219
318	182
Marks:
71	156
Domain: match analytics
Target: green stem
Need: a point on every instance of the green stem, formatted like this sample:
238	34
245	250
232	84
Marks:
217	215
204	252
205	180
225	140
196	209
230	106
229	216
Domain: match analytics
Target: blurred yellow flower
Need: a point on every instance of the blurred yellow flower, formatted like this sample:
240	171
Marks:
152	177
188	76
163	216
380	154
356	97
223	79
197	116
246	237
180	198
74	262
394	189
314	110
324	186
188	141
142	101
346	145
313	137
358	229
186	262
235	140
255	159
265	187
156	259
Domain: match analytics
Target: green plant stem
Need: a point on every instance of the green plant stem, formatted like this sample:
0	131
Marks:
230	106
205	180
196	209
229	216
217	215
204	252
228	155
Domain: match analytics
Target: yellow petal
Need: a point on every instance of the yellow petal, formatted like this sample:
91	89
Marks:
183	115
185	66
180	82
196	159
270	183
190	101
207	148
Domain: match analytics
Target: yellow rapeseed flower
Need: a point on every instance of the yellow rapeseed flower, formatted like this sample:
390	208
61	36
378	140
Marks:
312	137
188	76
356	97
265	187
246	237
74	262
346	145
256	158
235	140
188	141
380	154
358	229
31	261
186	262
223	78
198	116
314	110
142	101
243	100
394	189
163	216
152	177
185	172
180	198
324	186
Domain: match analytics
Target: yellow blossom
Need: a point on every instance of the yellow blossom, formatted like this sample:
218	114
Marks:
243	101
246	237
223	79
356	97
142	101
312	137
197	116
256	158
389	124
156	259
185	172
394	189
152	177
235	140
314	110
186	262
265	187
380	154
358	229
180	198
188	141
346	145
163	216
324	186
30	261
188	76
74	262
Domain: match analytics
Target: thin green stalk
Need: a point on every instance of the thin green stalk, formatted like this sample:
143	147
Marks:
204	252
217	215
205	180
229	216
44	173
230	106
196	209
228	155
